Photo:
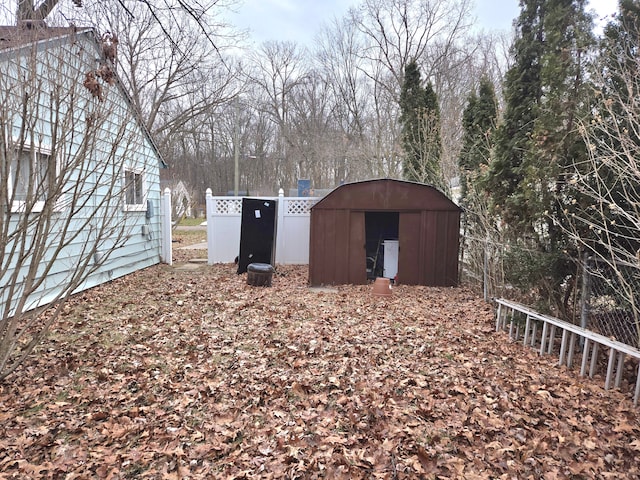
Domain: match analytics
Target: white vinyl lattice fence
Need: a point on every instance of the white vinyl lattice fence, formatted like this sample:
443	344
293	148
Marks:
224	218
225	206
165	211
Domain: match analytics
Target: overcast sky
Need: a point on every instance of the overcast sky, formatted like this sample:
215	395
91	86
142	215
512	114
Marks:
299	20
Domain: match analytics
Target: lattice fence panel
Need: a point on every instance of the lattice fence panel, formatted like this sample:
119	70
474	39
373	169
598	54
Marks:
299	206
227	206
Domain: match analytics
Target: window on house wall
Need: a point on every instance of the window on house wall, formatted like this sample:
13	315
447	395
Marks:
29	179
134	190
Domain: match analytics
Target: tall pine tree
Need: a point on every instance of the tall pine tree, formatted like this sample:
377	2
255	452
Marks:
538	142
612	177
523	95
557	143
420	122
479	123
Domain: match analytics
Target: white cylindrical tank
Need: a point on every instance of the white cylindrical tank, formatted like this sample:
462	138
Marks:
391	248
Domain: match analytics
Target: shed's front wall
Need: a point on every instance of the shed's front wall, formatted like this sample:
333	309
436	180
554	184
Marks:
336	254
428	236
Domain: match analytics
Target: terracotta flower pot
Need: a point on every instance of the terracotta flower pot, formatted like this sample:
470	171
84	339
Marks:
382	287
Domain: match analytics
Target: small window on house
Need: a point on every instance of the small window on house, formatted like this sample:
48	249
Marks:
134	190
30	179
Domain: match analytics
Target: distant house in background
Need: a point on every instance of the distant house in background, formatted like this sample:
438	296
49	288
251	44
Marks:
314	192
70	130
181	202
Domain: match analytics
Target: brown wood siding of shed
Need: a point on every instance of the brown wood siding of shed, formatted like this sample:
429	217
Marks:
440	248
410	255
441	234
386	195
453	250
318	246
430	247
357	264
341	248
337	254
428	231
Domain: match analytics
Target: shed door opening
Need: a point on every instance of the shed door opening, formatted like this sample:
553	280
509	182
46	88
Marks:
381	227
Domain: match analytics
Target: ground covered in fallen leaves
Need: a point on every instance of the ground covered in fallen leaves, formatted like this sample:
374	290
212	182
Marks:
172	373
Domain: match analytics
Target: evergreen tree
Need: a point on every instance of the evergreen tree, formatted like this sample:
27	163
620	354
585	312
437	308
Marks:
619	51
523	94
604	213
615	139
420	122
538	143
479	122
557	144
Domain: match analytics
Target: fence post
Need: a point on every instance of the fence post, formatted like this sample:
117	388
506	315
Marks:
485	271
166	249
280	228
586	292
209	216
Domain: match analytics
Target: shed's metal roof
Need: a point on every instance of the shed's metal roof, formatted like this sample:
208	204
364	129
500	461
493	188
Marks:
386	194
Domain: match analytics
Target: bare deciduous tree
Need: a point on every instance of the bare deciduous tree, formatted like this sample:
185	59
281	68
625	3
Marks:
341	64
431	32
173	72
427	145
398	31
603	207
165	12
276	70
74	164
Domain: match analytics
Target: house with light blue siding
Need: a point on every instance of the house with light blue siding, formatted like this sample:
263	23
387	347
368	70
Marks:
79	173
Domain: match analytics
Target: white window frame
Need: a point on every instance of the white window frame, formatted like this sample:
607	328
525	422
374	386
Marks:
20	206
134	207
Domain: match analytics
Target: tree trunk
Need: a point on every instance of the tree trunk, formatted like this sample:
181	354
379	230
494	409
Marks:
28	11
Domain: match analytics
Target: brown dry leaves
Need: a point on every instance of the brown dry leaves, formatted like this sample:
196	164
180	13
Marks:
194	374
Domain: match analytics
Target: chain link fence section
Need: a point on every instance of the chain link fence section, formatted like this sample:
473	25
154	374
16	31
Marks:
611	291
607	300
482	263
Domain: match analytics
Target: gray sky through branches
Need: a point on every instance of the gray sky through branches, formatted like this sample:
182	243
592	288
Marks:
299	20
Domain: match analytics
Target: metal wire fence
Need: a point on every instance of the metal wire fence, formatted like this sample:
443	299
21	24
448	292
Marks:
483	265
606	297
612	289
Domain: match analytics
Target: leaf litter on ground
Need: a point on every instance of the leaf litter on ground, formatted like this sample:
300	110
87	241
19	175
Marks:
195	374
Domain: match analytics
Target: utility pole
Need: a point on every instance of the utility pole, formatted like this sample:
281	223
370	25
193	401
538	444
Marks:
236	152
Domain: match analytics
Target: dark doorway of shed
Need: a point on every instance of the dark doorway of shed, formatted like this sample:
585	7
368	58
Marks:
381	231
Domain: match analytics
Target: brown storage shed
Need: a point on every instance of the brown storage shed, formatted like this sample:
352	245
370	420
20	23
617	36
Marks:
352	227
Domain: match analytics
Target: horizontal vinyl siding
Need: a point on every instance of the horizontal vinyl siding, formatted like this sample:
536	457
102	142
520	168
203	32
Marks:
134	150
